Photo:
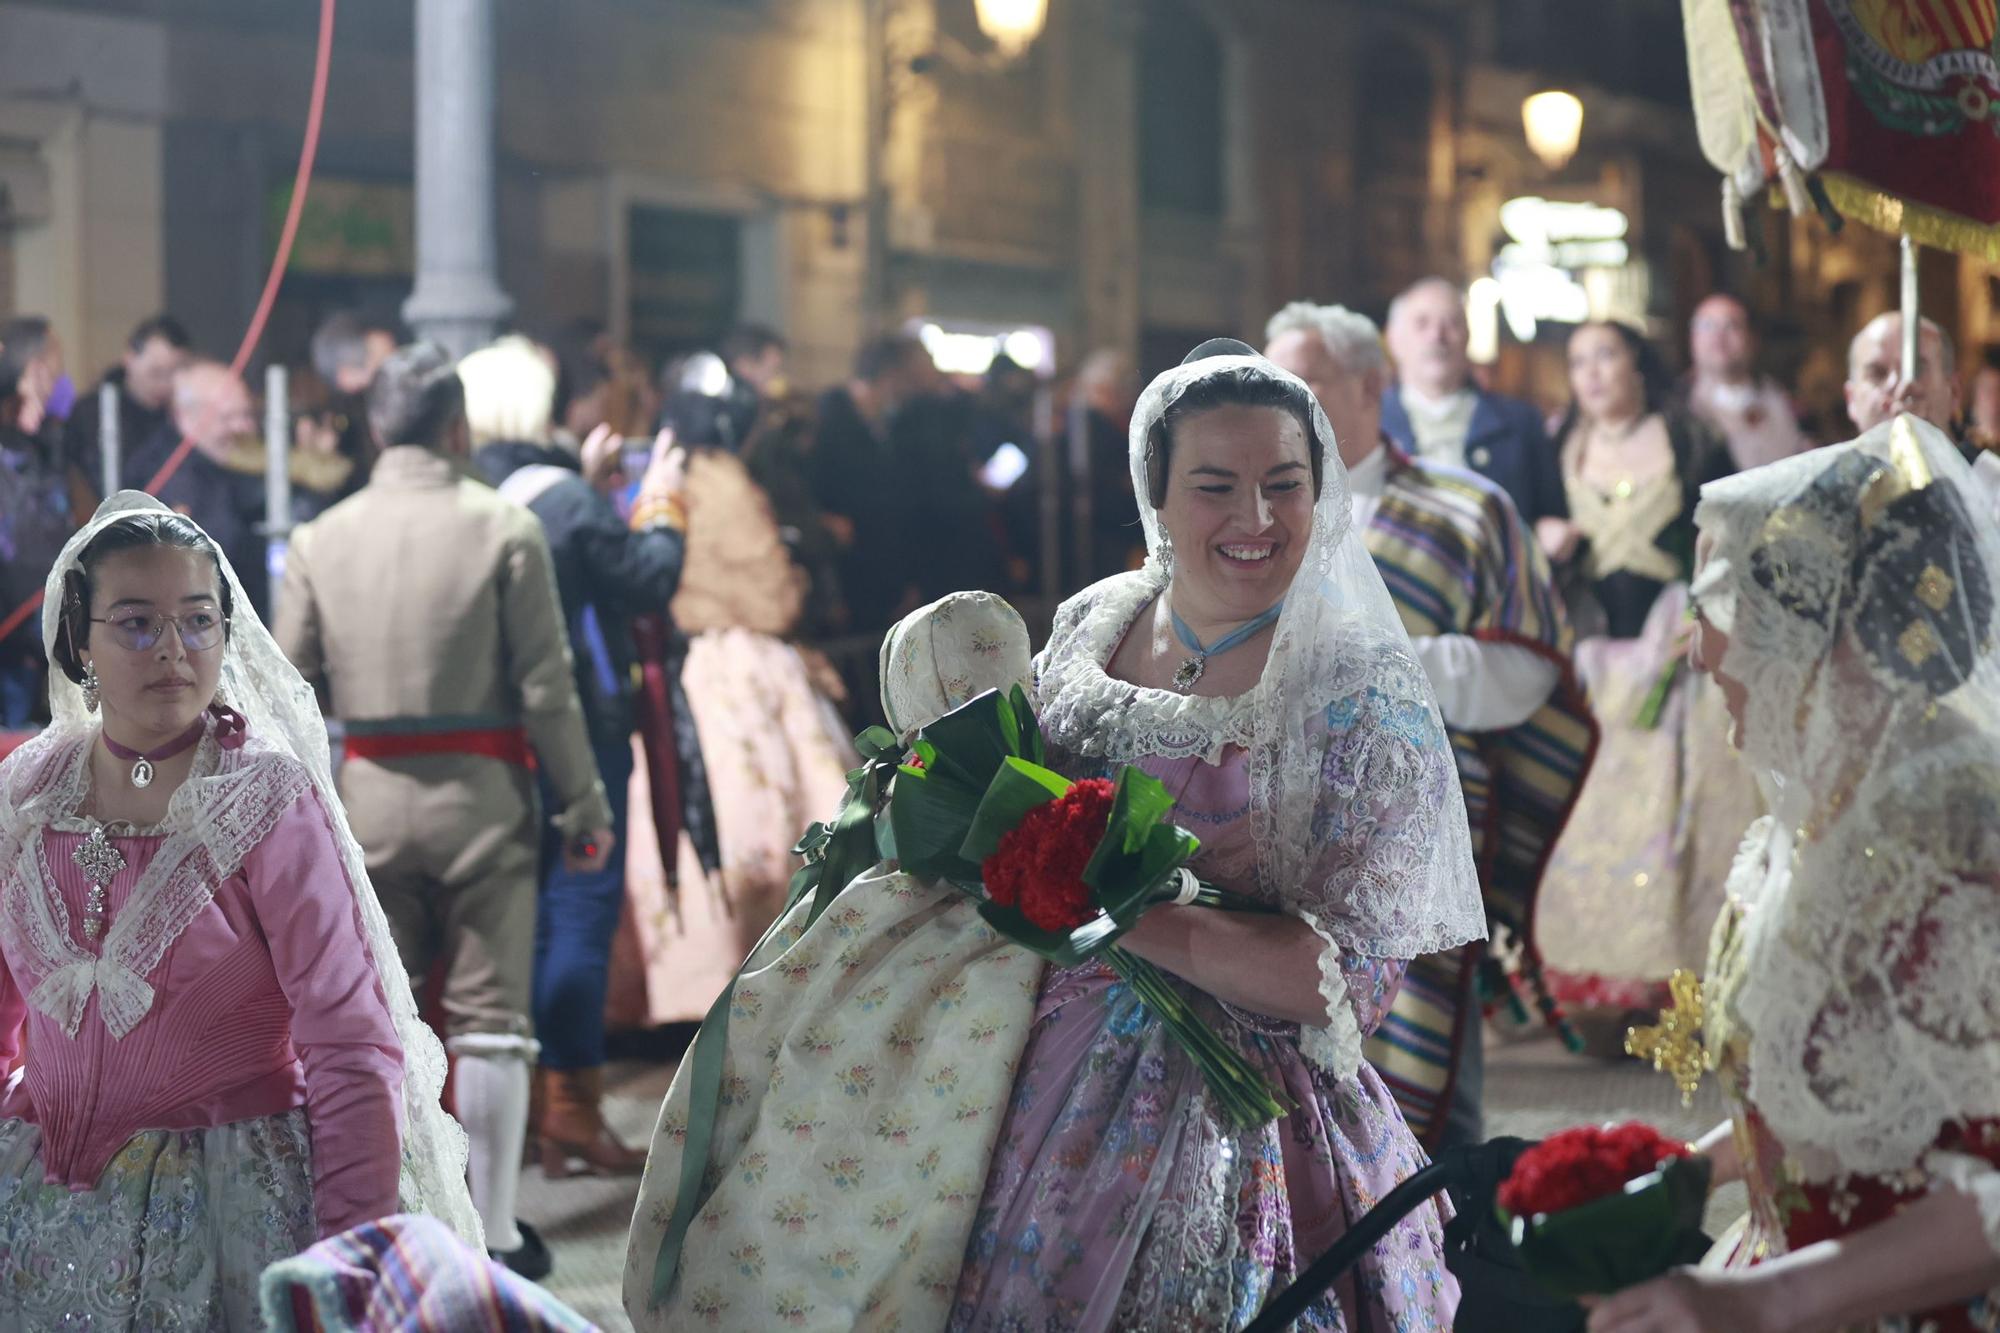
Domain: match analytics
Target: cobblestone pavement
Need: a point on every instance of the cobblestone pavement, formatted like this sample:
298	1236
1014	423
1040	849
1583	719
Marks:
1533	1088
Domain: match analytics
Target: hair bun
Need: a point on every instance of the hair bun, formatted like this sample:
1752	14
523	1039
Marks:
1219	347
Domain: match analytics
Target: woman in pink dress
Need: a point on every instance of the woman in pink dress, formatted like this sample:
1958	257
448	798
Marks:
214	1058
1256	666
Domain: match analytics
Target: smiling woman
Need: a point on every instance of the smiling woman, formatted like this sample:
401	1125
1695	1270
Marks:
1257	668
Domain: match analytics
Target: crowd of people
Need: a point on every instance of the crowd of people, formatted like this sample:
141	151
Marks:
1478	698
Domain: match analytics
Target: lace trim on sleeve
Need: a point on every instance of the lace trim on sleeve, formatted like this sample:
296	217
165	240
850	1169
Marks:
1335	1049
1976	1177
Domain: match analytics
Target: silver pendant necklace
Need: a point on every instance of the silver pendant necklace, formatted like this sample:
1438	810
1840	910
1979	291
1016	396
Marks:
142	763
1191	668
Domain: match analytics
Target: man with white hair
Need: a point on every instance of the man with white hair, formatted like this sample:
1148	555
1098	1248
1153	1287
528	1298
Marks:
1435	411
221	483
1474	592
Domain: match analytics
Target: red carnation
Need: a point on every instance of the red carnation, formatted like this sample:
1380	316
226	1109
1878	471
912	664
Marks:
1039	864
1583	1164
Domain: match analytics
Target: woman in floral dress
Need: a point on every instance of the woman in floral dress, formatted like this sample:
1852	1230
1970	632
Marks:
1257	667
1847	611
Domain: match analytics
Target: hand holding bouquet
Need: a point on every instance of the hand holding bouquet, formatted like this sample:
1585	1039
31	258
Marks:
1595	1210
1063	868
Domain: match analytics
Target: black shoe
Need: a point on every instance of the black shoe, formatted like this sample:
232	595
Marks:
533	1260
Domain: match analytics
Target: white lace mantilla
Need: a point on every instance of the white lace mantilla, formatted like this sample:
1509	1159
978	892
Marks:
1857	594
1355	804
230	802
1867	978
212	823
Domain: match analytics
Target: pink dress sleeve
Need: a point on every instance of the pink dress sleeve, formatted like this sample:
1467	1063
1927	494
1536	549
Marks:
341	1027
13	1021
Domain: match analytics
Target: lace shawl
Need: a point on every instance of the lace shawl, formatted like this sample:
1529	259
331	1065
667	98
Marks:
224	808
1858	597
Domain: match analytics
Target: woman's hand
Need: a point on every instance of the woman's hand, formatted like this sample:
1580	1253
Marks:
603	458
1263	961
666	471
1725	1159
1559	538
1689	1300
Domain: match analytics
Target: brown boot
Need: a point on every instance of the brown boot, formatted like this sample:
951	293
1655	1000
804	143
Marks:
531	1146
573	1129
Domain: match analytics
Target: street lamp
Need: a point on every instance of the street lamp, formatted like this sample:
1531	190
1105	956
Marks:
1012	25
1554	123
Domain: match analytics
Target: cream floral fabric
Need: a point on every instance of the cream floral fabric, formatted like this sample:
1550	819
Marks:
868	1069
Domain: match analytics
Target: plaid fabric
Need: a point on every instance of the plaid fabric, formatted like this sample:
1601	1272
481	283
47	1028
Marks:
406	1274
1457	559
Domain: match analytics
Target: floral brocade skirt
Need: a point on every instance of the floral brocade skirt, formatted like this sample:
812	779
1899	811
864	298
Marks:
777	757
173	1239
1634	884
1116	1200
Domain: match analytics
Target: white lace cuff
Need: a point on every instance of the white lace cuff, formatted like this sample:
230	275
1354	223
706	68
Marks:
1975	1177
1335	1049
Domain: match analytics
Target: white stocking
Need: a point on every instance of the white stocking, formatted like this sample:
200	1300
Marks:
491	1092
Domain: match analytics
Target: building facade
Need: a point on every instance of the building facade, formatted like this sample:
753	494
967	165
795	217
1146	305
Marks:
1148	173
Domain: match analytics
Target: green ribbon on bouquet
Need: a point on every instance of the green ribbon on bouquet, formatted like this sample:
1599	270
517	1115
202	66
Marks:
835	855
978	772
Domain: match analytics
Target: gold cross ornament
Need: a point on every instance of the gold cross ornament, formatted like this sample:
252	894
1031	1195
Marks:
1674	1044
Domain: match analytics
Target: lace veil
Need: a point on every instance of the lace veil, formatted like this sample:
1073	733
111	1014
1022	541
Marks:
1858	594
1355	803
260	683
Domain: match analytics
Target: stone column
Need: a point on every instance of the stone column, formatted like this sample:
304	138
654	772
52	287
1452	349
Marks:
457	300
1105	66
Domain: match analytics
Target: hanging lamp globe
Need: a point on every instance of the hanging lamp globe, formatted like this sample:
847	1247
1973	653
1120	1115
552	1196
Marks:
1553	120
1012	25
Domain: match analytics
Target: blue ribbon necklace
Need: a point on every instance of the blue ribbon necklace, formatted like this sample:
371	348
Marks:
1192	667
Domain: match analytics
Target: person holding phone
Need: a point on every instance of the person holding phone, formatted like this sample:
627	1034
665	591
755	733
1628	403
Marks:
608	571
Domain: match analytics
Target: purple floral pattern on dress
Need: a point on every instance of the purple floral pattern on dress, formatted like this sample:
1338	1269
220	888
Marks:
1115	1200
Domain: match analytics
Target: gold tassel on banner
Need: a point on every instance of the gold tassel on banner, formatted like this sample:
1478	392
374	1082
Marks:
1928	226
1732	215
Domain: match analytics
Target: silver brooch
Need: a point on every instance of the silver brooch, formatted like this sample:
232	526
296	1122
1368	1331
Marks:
102	862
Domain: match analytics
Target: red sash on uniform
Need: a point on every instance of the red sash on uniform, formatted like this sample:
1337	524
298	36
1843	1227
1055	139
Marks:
507	744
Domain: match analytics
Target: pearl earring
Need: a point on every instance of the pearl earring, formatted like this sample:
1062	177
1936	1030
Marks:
90	691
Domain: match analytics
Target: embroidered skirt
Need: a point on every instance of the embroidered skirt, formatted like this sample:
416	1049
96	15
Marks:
174	1237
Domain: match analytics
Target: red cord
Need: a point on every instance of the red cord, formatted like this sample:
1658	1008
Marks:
322	61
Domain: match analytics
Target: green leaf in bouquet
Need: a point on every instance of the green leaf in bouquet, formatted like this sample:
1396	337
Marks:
1140	849
1031	747
970	742
1622	1239
1138	803
1065	948
1016	789
929	813
877	743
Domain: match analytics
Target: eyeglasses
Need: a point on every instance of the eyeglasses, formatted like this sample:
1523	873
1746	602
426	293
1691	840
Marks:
199	630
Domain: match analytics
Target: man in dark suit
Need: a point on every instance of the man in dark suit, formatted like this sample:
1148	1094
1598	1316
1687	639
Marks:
1436	412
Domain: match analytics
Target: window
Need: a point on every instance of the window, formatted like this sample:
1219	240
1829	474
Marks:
687	279
1180	112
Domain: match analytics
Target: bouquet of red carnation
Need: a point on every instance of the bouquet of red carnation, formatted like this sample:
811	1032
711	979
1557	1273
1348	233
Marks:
1596	1210
1063	868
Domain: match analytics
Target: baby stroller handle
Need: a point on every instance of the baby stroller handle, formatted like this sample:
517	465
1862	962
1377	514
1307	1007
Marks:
1474	1172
